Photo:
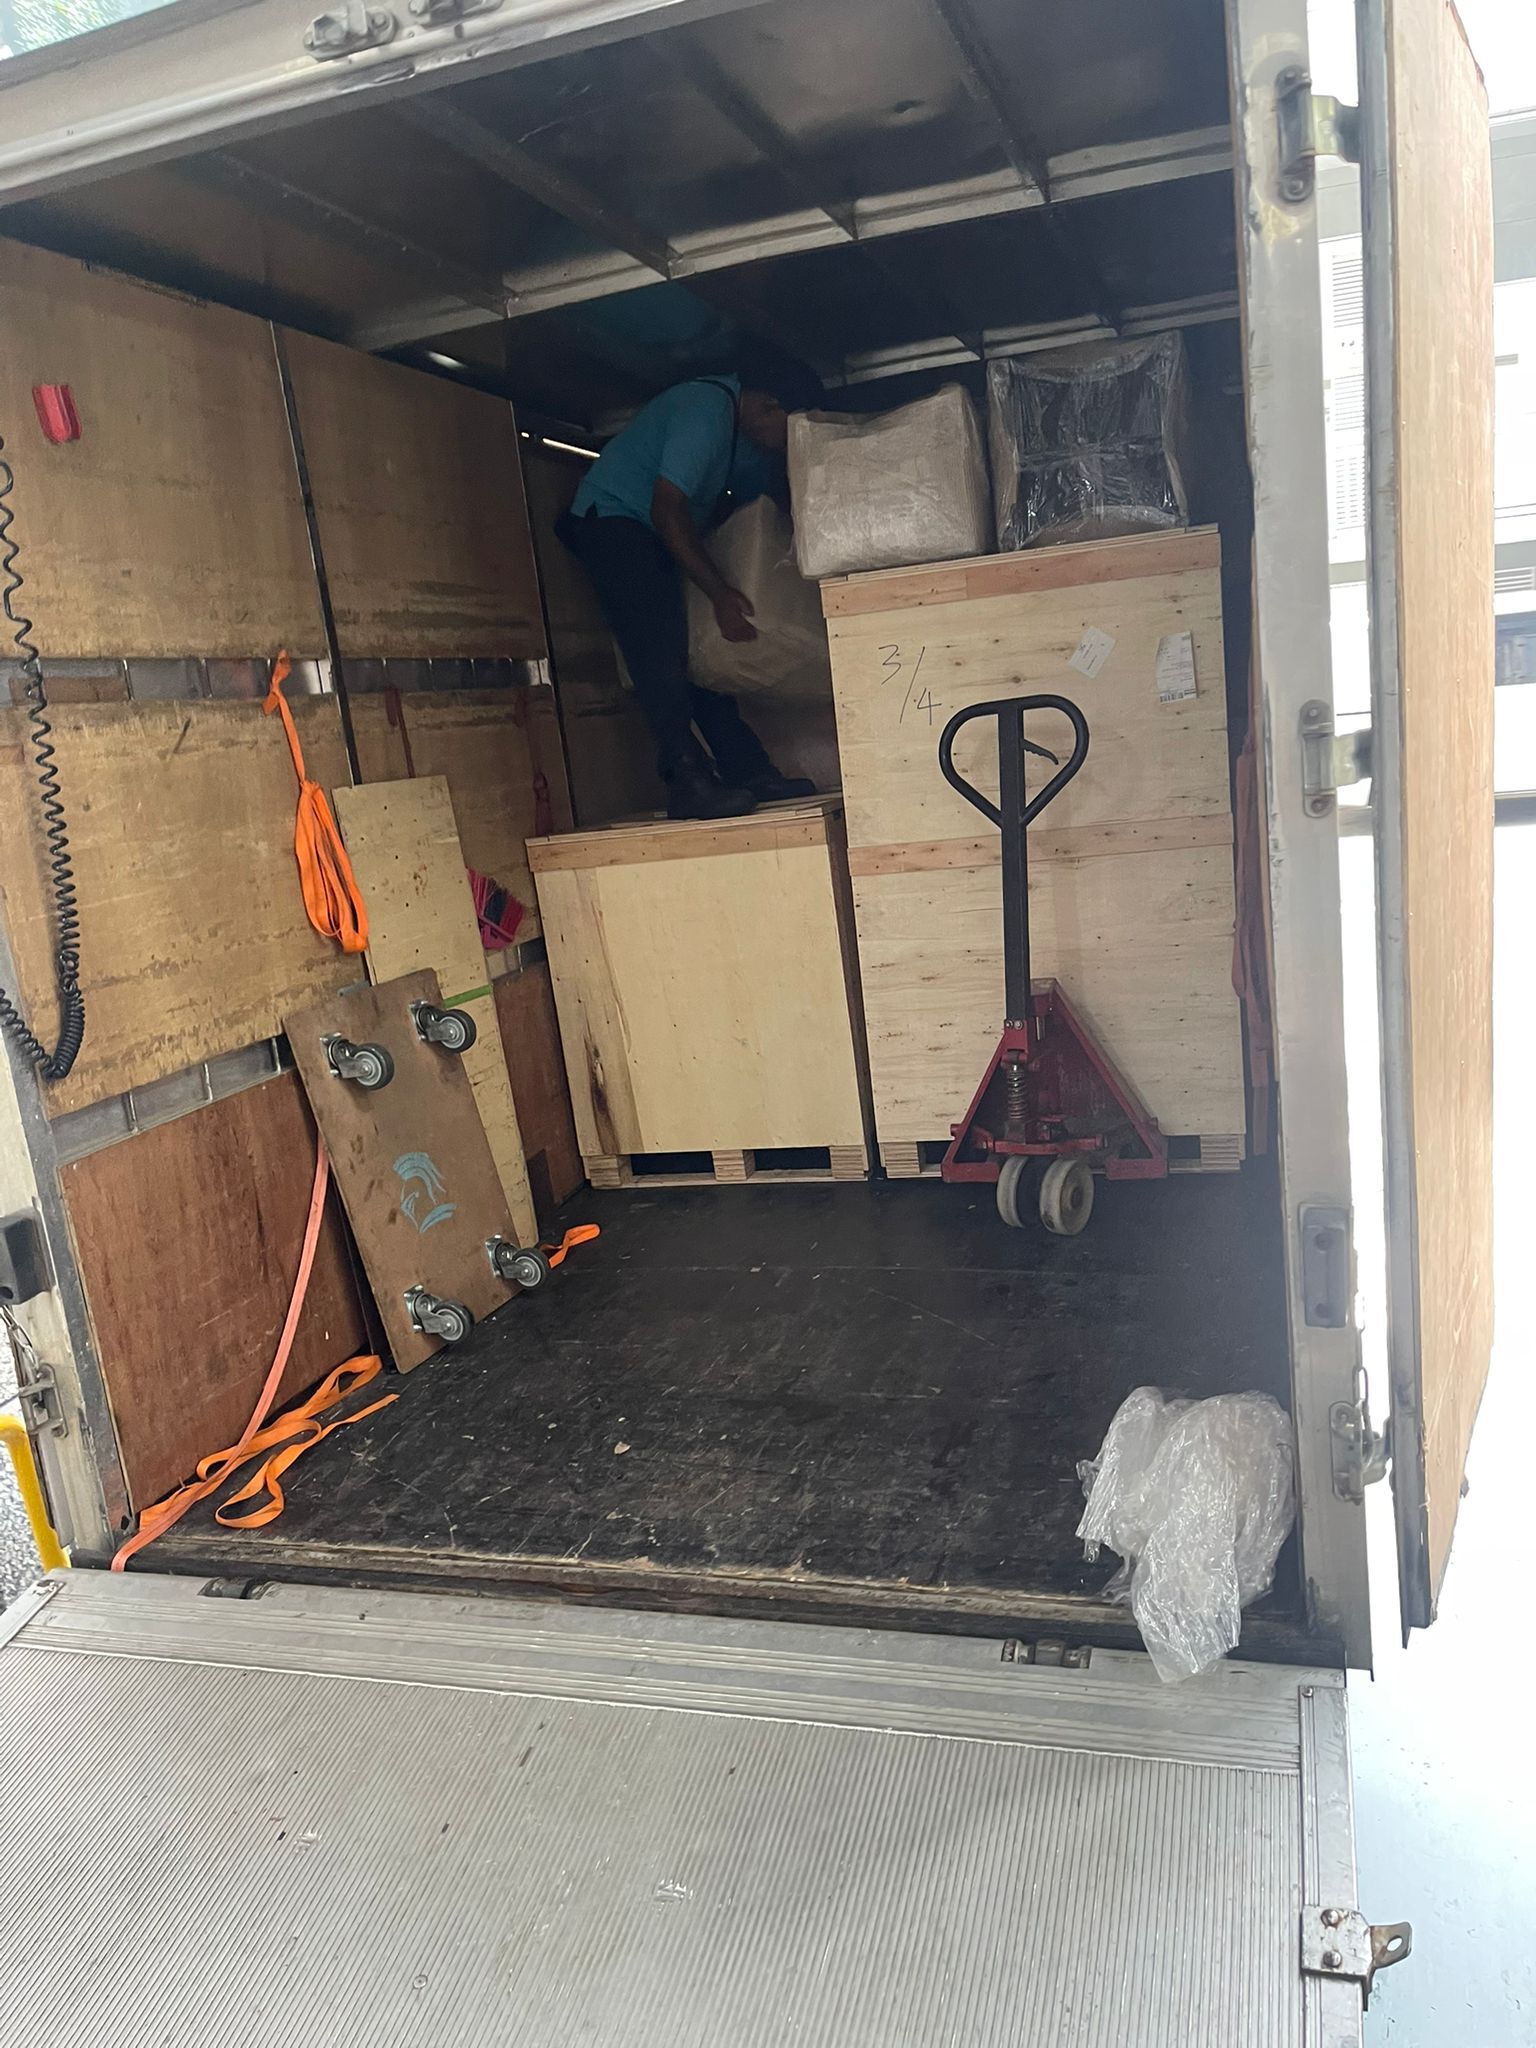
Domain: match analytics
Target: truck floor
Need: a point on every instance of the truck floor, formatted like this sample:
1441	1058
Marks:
874	1395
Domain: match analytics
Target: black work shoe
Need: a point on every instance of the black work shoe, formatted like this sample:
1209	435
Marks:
774	788
695	791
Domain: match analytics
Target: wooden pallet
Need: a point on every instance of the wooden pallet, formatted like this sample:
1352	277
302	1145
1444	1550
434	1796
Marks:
920	1159
727	1169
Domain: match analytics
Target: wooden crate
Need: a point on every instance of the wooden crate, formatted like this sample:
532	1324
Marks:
702	978
1131	895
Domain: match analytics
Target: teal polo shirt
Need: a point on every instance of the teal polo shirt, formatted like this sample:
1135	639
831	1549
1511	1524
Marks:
685	435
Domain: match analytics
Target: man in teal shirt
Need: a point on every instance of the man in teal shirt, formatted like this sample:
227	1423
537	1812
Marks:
637	525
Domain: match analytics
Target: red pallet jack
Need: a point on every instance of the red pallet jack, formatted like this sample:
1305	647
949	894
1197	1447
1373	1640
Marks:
1051	1097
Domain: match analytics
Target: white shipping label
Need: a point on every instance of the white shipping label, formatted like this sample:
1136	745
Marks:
1093	650
1176	667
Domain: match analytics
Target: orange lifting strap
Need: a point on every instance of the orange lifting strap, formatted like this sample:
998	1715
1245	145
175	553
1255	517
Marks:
331	895
293	1433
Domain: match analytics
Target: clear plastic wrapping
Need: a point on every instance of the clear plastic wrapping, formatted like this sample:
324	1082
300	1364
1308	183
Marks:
1197	1498
888	489
789	661
1088	443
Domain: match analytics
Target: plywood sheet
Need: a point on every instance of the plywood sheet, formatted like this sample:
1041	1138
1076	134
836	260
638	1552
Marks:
1142	944
703	1000
404	847
188	1241
420	1186
899	674
419	501
194	939
1444	378
173	526
530	1033
481	743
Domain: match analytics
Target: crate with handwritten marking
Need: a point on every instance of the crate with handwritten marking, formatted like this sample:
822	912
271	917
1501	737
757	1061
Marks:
1131	898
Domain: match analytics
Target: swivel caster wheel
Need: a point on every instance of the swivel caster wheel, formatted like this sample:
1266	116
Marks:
366	1066
1066	1197
1015	1184
518	1266
453	1030
436	1317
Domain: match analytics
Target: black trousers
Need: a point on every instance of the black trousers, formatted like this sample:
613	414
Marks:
640	589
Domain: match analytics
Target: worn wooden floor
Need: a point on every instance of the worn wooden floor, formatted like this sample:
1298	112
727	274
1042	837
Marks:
871	1384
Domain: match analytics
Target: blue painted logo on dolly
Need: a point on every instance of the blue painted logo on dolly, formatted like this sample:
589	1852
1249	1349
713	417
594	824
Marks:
420	1182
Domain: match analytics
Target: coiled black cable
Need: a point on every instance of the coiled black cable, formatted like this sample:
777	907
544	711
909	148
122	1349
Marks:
53	1066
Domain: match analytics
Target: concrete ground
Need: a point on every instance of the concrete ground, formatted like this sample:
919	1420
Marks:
1445	1796
18	1557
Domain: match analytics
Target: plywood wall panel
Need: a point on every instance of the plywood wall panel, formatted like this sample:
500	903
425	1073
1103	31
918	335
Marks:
419	502
188	1242
193	936
174	525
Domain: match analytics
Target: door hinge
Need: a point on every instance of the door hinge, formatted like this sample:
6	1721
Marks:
1048	1650
1330	761
1337	1941
353	25
1361	1452
1310	125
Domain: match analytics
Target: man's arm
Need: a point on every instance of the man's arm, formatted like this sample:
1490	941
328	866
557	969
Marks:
673	521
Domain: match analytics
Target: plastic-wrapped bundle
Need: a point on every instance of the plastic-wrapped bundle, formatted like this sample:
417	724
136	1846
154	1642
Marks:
884	490
1087	443
1197	1497
789	660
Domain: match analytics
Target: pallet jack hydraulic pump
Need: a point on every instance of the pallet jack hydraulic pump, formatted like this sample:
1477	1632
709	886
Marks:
1052	1107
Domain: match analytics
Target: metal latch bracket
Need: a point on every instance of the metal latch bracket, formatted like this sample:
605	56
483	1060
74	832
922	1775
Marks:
1330	761
37	1390
351	25
1337	1941
1048	1650
1310	125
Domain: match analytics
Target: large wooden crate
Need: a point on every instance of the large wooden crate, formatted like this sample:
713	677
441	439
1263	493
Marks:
1131	894
705	980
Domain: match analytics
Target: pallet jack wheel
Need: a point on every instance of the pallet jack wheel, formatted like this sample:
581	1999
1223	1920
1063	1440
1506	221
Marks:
1066	1196
1014	1185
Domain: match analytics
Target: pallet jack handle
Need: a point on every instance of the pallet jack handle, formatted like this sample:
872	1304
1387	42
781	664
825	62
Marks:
1013	813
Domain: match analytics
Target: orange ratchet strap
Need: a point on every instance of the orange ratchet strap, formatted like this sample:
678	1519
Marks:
579	1233
295	1431
332	898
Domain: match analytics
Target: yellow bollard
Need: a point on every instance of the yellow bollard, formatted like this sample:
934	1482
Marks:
16	1441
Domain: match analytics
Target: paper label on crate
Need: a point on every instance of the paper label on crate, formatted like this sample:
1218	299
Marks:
1176	668
1093	650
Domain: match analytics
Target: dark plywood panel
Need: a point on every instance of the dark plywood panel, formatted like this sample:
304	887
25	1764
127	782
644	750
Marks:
530	1032
419	500
193	935
188	1240
174	525
411	1158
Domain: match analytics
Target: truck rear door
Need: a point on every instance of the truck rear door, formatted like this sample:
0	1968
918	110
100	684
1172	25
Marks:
1428	233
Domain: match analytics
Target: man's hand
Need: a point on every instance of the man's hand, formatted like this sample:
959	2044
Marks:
733	615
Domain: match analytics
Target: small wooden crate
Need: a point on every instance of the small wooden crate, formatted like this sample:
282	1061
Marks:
1131	877
706	984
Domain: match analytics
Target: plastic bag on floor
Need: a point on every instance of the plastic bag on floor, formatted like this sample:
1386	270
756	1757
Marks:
1197	1497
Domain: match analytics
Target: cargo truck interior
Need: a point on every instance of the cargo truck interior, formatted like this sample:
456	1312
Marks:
862	1401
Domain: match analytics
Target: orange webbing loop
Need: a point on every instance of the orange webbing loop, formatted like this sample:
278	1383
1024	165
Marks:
579	1233
213	1471
332	899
